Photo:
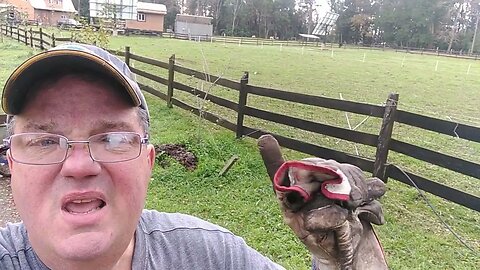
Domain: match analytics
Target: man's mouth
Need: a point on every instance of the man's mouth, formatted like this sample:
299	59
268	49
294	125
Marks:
83	206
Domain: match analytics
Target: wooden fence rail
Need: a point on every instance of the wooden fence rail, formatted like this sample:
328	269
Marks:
34	38
383	141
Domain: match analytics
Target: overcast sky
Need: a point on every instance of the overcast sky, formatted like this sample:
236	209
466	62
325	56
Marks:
322	7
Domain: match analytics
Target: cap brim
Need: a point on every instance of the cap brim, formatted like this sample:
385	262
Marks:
39	66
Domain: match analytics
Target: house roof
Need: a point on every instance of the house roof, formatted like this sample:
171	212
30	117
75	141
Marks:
151	8
193	19
66	5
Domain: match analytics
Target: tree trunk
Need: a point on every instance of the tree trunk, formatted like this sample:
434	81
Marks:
455	27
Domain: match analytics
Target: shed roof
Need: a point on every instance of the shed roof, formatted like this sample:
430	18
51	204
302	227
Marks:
193	19
151	8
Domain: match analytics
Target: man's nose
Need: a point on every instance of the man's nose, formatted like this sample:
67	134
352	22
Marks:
79	163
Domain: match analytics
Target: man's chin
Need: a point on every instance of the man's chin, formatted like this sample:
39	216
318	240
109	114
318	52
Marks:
86	246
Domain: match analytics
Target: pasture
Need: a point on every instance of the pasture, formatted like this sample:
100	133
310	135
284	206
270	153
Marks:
242	201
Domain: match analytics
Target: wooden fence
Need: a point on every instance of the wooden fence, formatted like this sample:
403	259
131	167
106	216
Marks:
42	40
383	141
318	44
34	38
250	40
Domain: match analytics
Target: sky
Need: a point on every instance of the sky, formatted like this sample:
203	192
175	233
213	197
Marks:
322	7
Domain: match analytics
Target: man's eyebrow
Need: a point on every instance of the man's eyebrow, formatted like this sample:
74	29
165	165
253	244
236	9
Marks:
103	126
33	126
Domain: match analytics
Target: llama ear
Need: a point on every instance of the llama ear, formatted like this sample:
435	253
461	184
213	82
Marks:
371	212
271	154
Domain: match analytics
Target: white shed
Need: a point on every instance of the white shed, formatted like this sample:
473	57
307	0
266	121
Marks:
193	26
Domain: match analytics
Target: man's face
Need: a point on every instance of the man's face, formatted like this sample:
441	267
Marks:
80	210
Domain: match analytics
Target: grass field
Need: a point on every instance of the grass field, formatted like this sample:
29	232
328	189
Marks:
242	201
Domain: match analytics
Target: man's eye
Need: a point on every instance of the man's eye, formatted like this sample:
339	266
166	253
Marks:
114	138
44	142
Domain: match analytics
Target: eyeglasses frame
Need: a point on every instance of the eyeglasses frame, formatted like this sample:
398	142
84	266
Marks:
143	140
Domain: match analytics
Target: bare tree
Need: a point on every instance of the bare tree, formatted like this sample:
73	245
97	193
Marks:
455	25
236	7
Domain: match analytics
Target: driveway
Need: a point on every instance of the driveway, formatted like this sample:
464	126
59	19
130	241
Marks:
8	212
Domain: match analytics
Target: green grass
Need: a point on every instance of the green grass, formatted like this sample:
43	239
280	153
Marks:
243	201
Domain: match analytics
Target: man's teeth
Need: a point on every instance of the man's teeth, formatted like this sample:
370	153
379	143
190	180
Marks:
89	211
84	206
83	201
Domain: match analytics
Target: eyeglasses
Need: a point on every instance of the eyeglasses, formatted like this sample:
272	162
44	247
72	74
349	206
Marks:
47	148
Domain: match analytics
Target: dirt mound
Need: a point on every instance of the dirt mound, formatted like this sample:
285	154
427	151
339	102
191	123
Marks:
177	152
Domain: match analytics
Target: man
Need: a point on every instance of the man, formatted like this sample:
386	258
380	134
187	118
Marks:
81	161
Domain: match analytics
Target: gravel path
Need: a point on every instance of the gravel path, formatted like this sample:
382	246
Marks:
7	208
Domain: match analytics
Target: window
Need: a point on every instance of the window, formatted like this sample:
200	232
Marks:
141	17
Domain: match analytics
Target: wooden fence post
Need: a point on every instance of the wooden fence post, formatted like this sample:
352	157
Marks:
41	39
127	55
53	40
25	32
242	102
171	79
31	37
11	31
379	167
18	34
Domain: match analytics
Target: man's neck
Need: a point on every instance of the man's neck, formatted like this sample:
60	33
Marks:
125	262
122	263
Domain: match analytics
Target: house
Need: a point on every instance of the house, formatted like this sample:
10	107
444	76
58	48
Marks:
193	26
133	15
150	18
46	12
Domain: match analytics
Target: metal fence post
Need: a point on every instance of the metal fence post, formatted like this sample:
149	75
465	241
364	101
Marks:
380	165
171	79
242	102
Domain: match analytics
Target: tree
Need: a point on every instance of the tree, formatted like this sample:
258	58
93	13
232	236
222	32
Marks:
173	8
416	23
308	5
214	10
284	19
82	7
355	19
236	5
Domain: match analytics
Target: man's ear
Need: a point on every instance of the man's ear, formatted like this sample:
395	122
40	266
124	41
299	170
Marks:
150	156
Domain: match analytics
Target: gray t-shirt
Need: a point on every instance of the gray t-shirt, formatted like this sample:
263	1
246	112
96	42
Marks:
162	241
